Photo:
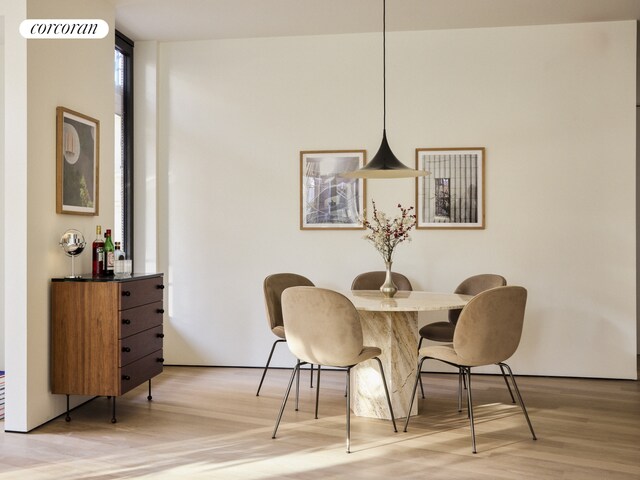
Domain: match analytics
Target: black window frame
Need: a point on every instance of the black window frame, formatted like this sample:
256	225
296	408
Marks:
125	46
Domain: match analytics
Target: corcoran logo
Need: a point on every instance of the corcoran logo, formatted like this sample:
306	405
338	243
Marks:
60	28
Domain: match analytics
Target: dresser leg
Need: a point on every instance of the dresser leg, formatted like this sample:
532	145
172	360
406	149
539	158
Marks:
149	397
68	417
113	416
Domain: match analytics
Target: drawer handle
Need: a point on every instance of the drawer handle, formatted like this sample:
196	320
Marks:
160	310
161	287
126	322
160	335
160	359
126	293
126	349
126	377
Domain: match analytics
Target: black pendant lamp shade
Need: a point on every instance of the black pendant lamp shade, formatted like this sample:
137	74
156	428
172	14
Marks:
385	164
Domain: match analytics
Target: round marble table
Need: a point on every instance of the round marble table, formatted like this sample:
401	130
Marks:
392	325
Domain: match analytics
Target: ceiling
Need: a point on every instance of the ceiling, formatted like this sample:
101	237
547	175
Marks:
177	20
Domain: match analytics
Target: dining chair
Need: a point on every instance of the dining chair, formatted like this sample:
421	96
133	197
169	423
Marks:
273	287
373	280
488	332
443	331
323	328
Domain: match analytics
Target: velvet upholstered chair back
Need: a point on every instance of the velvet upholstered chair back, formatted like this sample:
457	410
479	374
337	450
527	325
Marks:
273	286
373	281
323	326
490	326
473	286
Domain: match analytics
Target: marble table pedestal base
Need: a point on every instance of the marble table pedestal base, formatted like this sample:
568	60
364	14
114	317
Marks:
396	334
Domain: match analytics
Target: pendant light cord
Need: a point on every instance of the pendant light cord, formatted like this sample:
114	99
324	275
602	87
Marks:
384	65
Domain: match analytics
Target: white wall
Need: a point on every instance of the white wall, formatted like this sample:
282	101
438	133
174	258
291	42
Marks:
1	183
15	219
637	180
145	176
553	105
42	75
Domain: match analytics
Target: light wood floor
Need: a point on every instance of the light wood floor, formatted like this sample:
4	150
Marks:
208	423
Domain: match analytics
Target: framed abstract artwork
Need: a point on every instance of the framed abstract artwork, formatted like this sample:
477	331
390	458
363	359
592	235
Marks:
328	201
452	195
77	162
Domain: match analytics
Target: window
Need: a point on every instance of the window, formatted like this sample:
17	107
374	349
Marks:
123	164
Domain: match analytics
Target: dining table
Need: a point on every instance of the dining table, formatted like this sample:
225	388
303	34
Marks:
391	324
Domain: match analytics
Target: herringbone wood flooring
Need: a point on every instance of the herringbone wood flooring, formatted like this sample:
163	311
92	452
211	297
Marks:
207	423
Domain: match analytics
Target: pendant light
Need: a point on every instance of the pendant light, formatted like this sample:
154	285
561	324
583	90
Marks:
385	164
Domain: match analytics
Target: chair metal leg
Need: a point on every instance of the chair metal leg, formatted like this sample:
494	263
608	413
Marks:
286	396
460	379
346	390
504	375
298	388
348	402
311	377
318	391
420	373
524	409
386	392
470	408
413	393
273	347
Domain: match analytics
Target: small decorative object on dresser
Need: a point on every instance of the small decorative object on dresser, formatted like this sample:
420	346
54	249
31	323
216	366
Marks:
386	234
106	335
73	243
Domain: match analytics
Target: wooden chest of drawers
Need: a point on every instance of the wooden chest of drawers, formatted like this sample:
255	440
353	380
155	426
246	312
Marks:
106	334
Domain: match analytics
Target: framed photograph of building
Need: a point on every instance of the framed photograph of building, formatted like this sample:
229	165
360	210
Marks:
452	195
328	201
77	162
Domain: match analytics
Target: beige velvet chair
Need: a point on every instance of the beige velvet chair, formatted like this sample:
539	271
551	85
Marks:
323	328
443	331
488	332
273	287
373	281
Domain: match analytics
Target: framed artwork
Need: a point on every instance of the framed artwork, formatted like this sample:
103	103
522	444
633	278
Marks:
77	162
452	196
328	201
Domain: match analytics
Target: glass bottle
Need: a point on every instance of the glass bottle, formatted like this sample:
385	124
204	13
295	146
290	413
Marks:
109	254
97	253
119	252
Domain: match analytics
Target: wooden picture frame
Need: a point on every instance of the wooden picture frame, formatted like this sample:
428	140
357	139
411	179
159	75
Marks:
452	196
329	201
77	163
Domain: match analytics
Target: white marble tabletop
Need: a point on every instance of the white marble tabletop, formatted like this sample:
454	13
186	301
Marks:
405	301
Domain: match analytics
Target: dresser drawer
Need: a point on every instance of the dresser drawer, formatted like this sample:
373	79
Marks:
140	292
140	318
140	371
137	346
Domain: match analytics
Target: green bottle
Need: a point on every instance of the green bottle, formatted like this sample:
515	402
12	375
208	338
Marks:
109	254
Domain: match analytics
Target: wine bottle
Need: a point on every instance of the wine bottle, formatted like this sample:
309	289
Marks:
97	253
109	254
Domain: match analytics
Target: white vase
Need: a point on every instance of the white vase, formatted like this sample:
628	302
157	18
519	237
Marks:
388	288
